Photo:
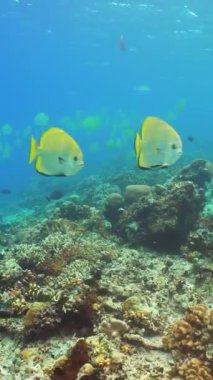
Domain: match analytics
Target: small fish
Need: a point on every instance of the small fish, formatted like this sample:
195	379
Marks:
190	138
142	88
5	191
41	119
6	129
57	154
158	144
122	43
55	195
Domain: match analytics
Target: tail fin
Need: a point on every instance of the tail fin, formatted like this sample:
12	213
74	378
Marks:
33	149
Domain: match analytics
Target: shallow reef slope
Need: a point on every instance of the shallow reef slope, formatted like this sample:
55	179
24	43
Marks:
113	282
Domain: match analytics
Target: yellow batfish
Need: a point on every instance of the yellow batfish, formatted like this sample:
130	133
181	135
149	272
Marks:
57	154
157	145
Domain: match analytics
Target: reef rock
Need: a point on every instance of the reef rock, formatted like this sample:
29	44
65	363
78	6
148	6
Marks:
200	172
200	240
73	211
113	203
134	192
161	220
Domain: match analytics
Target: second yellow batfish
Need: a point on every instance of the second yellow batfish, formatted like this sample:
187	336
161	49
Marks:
157	145
57	154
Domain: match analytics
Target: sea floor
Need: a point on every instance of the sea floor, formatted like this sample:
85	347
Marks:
79	301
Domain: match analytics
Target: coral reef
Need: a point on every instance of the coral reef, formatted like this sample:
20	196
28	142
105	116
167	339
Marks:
161	220
200	172
164	217
73	211
200	239
78	301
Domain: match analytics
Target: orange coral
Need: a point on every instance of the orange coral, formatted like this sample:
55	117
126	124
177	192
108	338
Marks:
51	266
19	306
126	348
180	337
31	353
195	369
191	336
199	315
193	332
33	313
102	361
97	306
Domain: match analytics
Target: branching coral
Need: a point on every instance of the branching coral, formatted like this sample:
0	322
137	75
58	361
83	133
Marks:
54	251
191	337
40	318
195	369
137	315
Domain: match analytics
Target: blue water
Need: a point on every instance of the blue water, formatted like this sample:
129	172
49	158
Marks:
64	58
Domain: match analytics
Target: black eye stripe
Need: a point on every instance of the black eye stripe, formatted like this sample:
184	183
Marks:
75	158
61	160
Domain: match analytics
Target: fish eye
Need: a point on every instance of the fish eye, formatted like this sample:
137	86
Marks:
174	146
75	158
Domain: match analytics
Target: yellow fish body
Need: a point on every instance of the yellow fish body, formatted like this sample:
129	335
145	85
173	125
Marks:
158	144
57	154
